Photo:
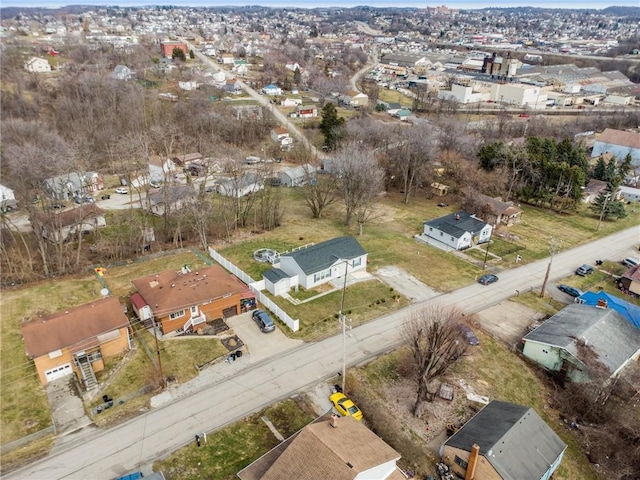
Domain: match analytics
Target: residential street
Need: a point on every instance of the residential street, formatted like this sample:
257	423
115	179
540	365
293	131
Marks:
238	389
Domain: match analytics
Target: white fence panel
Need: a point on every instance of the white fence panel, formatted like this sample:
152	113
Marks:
255	287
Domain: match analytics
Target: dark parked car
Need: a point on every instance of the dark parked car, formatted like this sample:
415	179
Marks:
584	270
468	334
487	279
569	290
263	320
105	197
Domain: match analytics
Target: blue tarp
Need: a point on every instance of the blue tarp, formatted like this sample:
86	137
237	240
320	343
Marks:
628	310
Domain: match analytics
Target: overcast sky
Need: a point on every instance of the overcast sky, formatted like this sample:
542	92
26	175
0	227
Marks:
342	3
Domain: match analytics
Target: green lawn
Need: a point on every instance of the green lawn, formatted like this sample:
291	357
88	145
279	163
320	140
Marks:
18	381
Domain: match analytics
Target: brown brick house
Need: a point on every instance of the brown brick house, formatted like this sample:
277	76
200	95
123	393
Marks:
77	340
178	301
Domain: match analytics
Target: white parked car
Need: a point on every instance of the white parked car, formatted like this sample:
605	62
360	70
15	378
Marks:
122	190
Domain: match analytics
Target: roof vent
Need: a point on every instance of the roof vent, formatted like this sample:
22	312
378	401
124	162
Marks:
173	285
457	216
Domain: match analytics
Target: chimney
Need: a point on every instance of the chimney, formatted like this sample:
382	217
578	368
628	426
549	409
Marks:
473	462
334	421
602	303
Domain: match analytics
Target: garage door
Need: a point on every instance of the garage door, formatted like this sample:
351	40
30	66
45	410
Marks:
230	312
58	372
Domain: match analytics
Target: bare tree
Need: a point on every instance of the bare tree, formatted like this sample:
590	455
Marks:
319	193
361	180
411	157
436	343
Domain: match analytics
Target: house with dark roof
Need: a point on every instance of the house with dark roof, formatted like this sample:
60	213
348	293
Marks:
169	198
180	301
630	280
77	340
313	265
559	344
618	143
336	448
504	441
458	230
602	299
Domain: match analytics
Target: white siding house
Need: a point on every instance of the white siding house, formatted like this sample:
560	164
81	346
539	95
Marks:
322	263
458	231
37	65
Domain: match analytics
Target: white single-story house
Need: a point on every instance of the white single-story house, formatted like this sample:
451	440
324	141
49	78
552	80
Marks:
271	90
67	225
297	176
317	264
458	230
290	102
240	186
37	65
7	199
629	194
557	345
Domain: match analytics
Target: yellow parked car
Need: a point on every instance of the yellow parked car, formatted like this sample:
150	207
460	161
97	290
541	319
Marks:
345	406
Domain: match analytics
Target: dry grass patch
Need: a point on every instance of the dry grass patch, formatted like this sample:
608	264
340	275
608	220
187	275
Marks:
229	450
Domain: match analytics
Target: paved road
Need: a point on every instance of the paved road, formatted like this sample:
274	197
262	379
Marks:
262	100
234	391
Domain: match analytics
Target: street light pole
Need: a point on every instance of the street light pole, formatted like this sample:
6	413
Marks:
486	254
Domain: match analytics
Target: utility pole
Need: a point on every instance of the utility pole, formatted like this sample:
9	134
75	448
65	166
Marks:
343	321
155	336
486	254
553	248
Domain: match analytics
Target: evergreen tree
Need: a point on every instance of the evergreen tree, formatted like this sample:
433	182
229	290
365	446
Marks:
600	169
297	76
607	206
611	170
330	126
192	55
179	54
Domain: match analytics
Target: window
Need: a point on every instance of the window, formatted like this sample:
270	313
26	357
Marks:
431	229
357	262
177	314
460	462
321	275
442	234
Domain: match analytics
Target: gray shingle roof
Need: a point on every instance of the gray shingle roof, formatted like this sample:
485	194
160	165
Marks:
513	438
322	255
456	224
274	275
610	335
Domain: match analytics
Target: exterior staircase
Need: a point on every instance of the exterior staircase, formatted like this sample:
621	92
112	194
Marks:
88	375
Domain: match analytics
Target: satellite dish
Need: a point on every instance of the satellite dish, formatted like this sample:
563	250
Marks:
104	292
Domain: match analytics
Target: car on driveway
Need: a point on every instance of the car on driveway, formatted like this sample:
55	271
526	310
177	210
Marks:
263	320
488	278
630	262
569	290
584	270
345	406
468	334
122	190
